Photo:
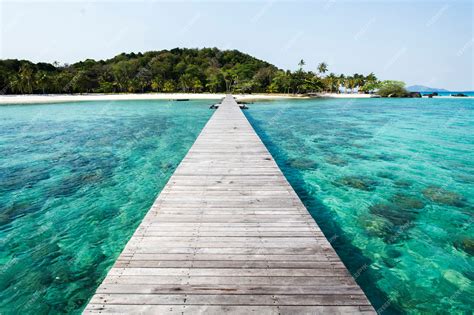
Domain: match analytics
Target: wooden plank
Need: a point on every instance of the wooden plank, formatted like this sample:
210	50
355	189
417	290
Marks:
216	280
229	250
113	288
224	309
228	299
247	258
256	264
224	272
228	234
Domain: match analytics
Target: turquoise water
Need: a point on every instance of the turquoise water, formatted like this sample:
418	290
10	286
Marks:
75	181
391	183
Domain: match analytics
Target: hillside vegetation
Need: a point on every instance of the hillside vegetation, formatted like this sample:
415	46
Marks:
176	70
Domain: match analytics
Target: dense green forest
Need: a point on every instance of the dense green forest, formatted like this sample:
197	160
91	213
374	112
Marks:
176	70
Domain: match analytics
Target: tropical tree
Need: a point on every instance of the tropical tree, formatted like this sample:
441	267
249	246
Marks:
42	80
371	84
62	83
298	84
331	83
25	79
359	80
371	77
214	82
273	88
313	83
342	82
197	70
122	73
169	86
15	84
322	68
245	86
156	84
392	88
197	85
301	64
282	81
231	78
186	81
370	87
263	78
143	78
350	83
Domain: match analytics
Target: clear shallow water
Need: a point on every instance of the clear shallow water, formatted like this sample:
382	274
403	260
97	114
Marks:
75	181
391	183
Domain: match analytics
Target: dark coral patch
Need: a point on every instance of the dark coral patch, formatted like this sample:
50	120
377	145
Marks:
393	213
442	196
465	244
402	183
302	164
386	175
385	157
400	212
393	253
407	201
359	182
335	160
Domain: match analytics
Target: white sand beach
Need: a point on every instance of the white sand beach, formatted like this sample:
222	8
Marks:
344	95
60	98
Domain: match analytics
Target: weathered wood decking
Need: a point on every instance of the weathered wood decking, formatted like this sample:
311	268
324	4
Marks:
228	234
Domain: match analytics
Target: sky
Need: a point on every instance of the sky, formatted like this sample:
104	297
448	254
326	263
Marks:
419	42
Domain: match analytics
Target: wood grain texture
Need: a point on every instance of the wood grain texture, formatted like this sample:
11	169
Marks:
228	234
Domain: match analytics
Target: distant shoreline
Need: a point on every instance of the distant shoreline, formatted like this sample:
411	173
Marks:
62	98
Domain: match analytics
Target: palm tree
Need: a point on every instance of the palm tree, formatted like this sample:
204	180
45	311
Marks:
156	84
371	83
143	78
359	80
322	68
230	78
212	84
350	83
332	82
41	80
301	64
371	78
197	85
15	84
25	78
342	82
186	82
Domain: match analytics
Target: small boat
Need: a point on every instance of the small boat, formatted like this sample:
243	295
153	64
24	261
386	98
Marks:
182	99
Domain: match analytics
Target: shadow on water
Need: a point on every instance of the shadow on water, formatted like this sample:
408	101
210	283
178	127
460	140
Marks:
352	257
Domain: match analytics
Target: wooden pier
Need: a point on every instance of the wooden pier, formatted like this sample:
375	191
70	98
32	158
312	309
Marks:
228	234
